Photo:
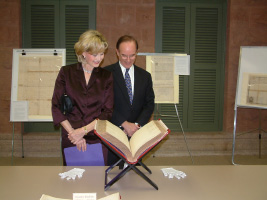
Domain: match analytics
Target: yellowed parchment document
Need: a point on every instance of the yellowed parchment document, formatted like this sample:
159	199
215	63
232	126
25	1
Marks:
165	81
37	75
254	90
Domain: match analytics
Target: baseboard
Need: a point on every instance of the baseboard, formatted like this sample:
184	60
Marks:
199	144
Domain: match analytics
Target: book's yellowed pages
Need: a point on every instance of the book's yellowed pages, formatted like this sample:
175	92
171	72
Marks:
113	135
146	136
117	133
115	196
47	197
143	139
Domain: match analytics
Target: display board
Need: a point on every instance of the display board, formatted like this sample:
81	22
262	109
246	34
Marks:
34	72
165	70
252	77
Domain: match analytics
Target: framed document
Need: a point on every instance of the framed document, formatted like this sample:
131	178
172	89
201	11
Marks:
165	70
252	77
34	72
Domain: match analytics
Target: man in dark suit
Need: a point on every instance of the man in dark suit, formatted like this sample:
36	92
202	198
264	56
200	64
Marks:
133	91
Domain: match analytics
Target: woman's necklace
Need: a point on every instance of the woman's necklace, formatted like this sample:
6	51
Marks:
87	71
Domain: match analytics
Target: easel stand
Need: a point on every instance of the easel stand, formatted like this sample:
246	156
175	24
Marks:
177	115
234	134
22	148
126	169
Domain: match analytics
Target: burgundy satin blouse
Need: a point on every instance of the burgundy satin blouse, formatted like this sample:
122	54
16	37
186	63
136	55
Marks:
91	101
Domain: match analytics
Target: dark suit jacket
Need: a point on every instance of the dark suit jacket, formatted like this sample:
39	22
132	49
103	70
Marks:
143	101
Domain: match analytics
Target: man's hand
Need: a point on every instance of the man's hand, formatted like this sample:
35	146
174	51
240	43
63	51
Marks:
130	128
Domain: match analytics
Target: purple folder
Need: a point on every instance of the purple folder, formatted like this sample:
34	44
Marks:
93	156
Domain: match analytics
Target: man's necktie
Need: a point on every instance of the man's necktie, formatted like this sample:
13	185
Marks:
129	85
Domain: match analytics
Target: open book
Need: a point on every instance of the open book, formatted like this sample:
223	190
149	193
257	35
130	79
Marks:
140	143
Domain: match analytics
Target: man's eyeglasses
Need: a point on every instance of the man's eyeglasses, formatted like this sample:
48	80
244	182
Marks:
128	57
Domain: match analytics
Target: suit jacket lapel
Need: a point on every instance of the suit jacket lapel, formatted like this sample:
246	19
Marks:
118	77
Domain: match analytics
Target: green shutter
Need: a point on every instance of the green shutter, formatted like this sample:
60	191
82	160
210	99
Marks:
39	22
206	35
204	94
173	31
76	23
42	26
76	17
206	65
194	27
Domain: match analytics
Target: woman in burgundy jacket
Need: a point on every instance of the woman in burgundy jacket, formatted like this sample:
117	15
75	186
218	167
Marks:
90	88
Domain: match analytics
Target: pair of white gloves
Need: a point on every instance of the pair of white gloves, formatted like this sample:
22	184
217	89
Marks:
77	172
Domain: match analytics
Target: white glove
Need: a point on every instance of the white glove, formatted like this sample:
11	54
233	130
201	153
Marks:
71	174
170	172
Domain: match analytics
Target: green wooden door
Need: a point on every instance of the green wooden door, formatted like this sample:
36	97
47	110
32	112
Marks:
198	30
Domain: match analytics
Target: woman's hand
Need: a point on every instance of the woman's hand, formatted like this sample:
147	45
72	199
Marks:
81	145
76	135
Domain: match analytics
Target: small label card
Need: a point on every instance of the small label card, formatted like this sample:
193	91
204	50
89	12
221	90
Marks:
84	196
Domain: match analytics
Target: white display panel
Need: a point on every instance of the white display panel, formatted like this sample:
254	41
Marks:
252	77
34	72
165	70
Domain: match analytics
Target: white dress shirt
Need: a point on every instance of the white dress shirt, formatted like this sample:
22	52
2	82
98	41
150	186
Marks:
131	73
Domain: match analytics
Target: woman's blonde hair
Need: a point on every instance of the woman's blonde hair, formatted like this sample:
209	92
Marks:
92	42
